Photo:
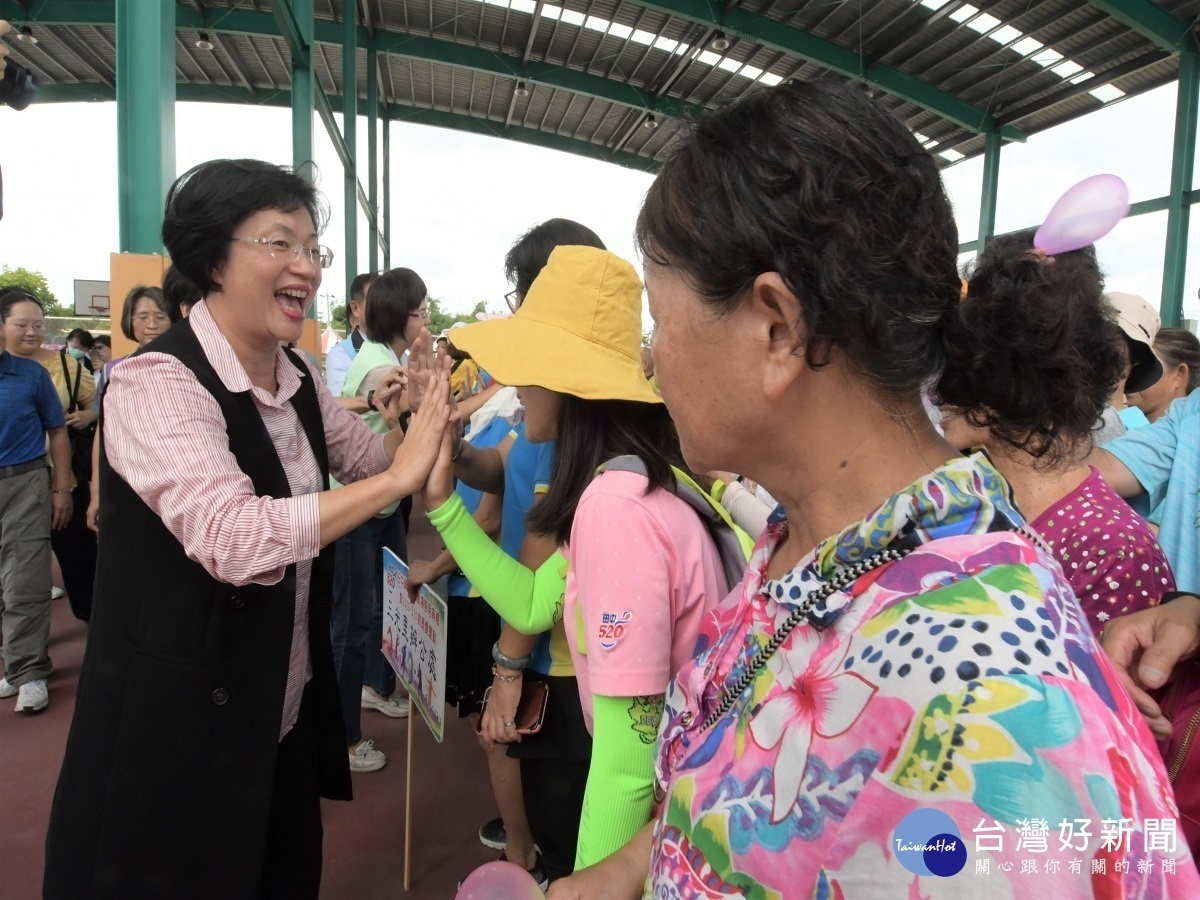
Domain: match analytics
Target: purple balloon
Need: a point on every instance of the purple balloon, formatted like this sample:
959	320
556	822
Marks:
499	880
1084	214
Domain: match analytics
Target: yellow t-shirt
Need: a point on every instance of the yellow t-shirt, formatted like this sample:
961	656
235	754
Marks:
464	381
87	386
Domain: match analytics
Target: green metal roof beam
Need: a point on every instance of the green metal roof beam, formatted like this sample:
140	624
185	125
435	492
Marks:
549	140
1151	21
290	28
325	109
220	93
475	59
245	21
784	38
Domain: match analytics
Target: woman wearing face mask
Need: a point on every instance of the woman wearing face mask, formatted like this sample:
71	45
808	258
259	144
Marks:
74	545
79	344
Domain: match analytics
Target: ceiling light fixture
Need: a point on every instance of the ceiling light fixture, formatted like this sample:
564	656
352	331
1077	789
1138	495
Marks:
203	43
719	43
521	90
25	35
650	122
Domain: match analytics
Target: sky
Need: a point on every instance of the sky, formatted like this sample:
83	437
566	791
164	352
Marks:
460	200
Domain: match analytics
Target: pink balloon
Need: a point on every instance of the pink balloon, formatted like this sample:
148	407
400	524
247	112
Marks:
499	881
1084	214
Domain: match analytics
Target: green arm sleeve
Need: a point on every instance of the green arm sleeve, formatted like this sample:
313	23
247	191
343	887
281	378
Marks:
529	601
620	787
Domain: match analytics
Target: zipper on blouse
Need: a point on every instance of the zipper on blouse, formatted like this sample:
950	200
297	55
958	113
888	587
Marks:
1181	753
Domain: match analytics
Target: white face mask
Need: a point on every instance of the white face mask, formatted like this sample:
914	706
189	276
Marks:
80	355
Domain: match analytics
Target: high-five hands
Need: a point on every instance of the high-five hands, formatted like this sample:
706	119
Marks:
424	439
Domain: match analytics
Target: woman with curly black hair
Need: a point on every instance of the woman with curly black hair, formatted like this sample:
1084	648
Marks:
1036	352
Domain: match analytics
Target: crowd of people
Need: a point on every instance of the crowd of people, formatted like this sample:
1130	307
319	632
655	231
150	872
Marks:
840	546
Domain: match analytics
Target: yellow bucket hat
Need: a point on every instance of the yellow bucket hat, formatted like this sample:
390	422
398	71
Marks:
578	332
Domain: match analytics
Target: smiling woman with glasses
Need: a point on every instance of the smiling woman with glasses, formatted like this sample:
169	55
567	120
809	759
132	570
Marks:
212	617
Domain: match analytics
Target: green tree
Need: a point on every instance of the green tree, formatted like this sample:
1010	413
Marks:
338	318
35	283
439	320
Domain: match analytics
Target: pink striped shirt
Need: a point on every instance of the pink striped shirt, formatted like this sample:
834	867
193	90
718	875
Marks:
165	435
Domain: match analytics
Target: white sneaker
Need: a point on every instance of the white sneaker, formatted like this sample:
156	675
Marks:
6	689
395	706
366	758
57	593
32	697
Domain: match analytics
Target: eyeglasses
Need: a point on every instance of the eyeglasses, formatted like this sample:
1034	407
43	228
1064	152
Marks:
149	318
513	299
423	312
319	255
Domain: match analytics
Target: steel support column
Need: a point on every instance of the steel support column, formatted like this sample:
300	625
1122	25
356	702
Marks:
1179	208
349	135
387	192
145	119
990	189
373	157
301	20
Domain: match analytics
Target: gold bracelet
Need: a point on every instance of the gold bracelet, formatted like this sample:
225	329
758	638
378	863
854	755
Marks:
57	491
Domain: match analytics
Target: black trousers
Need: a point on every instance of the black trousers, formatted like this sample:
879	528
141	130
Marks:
75	547
554	773
554	791
292	862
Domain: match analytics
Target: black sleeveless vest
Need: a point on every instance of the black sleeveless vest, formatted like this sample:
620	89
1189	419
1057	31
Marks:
166	784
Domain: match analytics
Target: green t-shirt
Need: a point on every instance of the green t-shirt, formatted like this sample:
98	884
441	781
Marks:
371	355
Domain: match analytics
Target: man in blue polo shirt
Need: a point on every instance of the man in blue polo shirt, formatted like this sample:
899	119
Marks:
29	506
337	361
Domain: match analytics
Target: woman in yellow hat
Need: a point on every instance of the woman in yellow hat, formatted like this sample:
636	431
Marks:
641	570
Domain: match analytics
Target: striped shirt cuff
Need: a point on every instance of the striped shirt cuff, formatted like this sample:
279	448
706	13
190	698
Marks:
306	525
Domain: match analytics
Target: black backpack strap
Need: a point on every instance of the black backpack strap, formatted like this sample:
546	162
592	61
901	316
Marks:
72	390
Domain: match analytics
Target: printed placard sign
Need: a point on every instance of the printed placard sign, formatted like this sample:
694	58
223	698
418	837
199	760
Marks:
414	641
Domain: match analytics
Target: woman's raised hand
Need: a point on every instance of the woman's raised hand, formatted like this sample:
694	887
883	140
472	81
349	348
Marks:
424	438
440	483
423	366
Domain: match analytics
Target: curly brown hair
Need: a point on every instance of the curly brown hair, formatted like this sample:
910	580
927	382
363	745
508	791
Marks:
1034	353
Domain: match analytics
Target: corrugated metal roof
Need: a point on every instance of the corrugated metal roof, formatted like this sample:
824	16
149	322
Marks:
630	72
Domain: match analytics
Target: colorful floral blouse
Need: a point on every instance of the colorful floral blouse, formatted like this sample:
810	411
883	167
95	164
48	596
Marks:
946	726
1109	554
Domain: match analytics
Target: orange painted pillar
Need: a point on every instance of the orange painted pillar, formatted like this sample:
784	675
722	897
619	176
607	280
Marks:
127	271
